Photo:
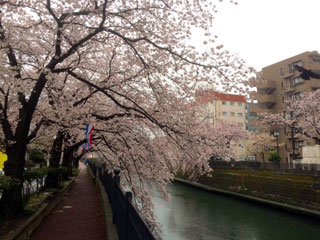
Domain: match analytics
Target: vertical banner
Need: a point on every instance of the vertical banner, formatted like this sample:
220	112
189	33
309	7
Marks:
88	144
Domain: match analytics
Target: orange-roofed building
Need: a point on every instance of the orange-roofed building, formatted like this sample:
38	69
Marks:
223	107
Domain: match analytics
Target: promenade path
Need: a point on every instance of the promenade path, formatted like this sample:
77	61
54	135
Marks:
78	216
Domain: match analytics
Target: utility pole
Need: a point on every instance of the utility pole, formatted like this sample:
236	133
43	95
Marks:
292	139
276	134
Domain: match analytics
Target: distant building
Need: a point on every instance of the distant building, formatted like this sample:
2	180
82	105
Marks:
311	155
280	82
223	107
250	116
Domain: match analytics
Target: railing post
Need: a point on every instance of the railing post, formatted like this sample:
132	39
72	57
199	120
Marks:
117	176
128	196
116	183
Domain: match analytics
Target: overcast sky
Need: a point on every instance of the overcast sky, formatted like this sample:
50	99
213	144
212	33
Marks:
264	32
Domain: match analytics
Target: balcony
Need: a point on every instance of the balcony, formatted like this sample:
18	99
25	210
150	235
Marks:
259	108
289	90
266	85
264	98
288	74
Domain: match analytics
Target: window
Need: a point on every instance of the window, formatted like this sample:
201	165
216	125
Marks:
224	103
240	104
232	114
296	95
296	80
297	63
231	103
240	114
224	113
298	144
253	114
281	72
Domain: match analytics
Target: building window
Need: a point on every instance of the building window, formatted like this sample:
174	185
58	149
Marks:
240	114
232	103
232	114
297	63
298	95
298	144
296	81
224	113
295	96
224	103
240	104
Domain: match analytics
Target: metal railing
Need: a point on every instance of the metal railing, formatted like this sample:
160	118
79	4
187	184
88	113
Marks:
129	222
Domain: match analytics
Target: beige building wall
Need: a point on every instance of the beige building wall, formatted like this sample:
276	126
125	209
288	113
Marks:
311	154
224	110
280	82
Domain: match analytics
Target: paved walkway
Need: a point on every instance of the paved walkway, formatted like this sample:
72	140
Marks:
78	216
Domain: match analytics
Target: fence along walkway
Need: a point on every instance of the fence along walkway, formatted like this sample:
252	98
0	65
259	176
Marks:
78	216
129	222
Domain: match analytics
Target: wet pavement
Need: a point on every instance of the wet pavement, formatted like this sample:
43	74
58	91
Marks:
79	215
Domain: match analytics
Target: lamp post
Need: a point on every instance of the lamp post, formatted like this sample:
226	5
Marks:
276	134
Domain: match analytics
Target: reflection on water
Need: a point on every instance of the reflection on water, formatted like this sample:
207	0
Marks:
192	214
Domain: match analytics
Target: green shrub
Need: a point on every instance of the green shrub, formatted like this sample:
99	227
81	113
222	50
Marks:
7	182
274	157
37	156
34	174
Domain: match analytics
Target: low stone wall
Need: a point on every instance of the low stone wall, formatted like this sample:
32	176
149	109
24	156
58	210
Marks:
299	190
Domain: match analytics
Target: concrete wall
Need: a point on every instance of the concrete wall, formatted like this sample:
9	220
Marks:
311	154
300	190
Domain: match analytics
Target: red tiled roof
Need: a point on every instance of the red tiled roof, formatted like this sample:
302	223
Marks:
211	95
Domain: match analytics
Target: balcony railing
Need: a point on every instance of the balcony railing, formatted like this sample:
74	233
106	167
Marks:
266	84
263	98
259	109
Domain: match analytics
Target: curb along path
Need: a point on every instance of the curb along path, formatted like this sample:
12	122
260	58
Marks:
78	216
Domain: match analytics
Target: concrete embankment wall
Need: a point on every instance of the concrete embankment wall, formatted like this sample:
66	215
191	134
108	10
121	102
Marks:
285	188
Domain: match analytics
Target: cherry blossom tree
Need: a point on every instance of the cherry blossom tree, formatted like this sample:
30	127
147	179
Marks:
124	66
258	144
303	115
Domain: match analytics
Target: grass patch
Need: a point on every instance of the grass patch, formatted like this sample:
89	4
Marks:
36	199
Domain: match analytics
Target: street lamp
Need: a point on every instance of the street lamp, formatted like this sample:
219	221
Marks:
276	134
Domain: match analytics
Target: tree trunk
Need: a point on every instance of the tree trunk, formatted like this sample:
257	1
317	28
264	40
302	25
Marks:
68	162
52	179
76	161
11	203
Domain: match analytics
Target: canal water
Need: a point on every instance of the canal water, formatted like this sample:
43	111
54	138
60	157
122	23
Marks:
193	214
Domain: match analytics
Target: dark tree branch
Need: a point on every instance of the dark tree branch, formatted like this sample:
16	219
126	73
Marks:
83	100
116	115
33	134
78	144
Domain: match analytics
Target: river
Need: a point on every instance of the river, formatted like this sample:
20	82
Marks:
193	214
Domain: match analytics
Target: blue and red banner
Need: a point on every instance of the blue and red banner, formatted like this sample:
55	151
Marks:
88	144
